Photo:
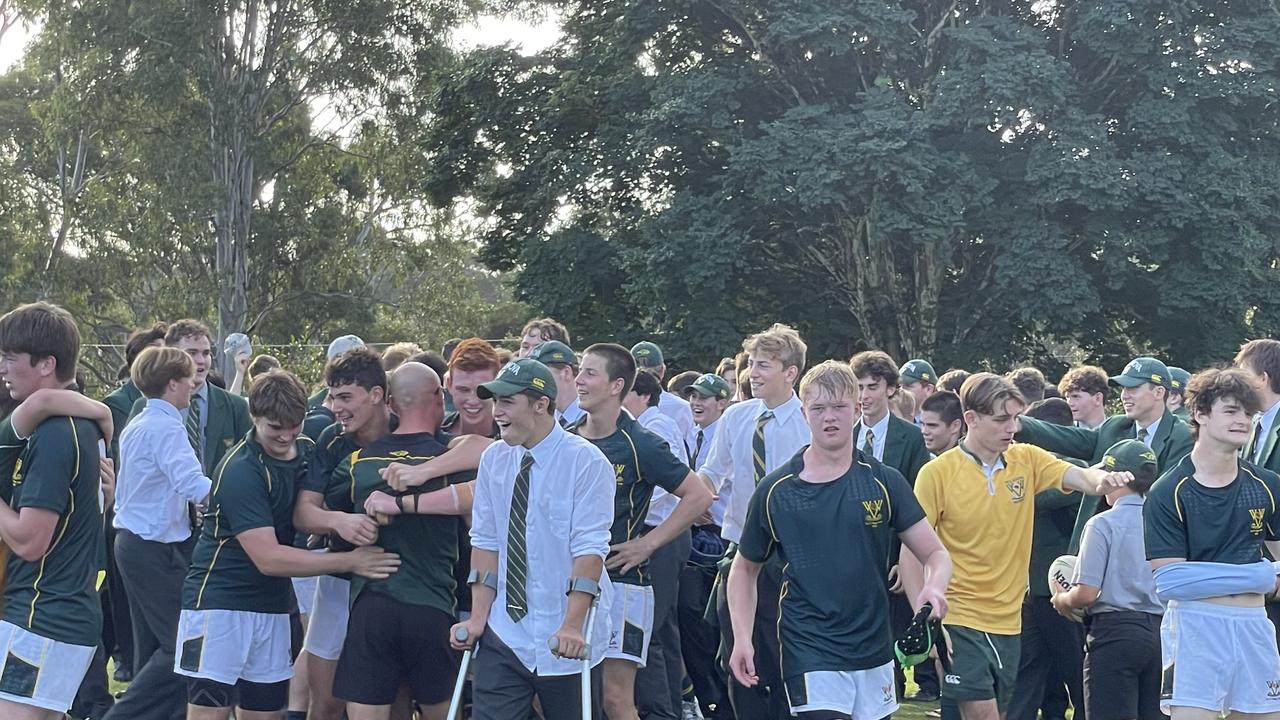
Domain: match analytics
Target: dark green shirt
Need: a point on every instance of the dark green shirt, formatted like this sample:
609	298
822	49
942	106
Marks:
427	544
251	490
641	461
1183	519
316	421
56	597
834	540
317	399
1051	534
120	401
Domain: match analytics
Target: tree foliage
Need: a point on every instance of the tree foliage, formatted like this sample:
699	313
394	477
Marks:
969	180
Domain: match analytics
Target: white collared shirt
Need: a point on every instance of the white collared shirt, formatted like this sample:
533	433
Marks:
721	502
880	429
159	475
677	409
569	515
1150	430
729	465
1266	421
573	413
661	503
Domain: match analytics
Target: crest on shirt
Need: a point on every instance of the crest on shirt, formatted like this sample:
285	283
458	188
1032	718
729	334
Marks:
875	512
17	472
618	471
1017	488
1256	516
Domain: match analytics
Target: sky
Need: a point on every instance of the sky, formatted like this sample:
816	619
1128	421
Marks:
487	30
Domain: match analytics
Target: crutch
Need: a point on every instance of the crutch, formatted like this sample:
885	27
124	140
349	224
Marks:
455	703
554	643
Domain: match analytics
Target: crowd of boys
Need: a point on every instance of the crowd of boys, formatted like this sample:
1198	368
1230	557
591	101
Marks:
745	543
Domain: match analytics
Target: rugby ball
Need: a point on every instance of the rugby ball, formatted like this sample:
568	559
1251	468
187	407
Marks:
1060	573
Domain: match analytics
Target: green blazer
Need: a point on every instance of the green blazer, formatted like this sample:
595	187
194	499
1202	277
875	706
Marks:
1171	443
121	402
1270	458
225	425
904	448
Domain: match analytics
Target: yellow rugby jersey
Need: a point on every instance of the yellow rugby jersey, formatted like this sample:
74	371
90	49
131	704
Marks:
984	516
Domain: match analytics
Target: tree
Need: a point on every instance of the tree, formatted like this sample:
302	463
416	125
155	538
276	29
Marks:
968	180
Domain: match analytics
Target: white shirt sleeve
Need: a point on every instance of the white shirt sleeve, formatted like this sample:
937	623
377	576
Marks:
718	467
484	526
592	508
178	463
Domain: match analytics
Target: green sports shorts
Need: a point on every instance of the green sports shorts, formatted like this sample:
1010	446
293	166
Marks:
983	665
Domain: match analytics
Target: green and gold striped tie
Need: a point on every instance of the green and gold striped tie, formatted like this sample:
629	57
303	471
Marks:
517	552
757	445
193	426
869	444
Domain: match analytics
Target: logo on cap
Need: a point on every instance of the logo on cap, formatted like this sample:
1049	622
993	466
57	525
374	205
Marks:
511	368
538	383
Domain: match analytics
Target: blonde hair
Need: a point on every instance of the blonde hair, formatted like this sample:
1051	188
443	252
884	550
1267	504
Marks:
779	341
831	379
904	405
986	393
156	367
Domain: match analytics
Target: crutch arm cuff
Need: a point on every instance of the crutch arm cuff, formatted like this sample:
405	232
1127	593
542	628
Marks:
583	585
488	578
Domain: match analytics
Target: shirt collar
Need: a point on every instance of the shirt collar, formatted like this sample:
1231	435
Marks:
1151	429
1129	500
164	406
203	392
1268	419
546	448
988	469
784	411
880	429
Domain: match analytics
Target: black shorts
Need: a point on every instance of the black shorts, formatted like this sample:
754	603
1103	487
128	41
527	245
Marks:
389	643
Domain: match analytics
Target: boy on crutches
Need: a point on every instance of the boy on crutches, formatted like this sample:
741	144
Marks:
540	531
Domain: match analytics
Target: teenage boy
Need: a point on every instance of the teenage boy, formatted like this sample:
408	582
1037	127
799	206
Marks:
657	678
918	378
473	363
1085	390
233	637
538	331
709	396
1205	522
897	443
641	461
399	627
941	422
215	419
648	357
563	364
1178	379
51	523
160	476
540	524
357	387
1143	386
756	437
979	498
1113	583
837	647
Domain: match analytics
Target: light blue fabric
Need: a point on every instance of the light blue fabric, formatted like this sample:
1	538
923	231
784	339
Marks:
1200	580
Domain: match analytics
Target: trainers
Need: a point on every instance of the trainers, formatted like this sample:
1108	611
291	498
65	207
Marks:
689	710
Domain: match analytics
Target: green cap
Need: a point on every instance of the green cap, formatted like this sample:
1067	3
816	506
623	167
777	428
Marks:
1130	456
709	385
647	354
1178	379
914	371
517	376
1143	370
553	351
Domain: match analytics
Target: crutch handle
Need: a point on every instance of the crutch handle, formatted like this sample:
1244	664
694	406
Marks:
460	634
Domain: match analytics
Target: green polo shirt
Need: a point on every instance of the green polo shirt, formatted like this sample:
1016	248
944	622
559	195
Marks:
56	596
641	461
251	490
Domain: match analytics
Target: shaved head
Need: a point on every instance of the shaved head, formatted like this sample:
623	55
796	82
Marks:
412	384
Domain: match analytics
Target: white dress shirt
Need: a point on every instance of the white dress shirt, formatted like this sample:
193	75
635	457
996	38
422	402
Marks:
1150	431
729	465
677	409
880	429
573	413
661	503
159	475
721	502
570	513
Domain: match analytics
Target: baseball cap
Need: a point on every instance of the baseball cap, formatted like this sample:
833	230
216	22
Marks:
647	354
517	376
709	385
1131	456
1178	378
553	351
914	371
1143	370
342	344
